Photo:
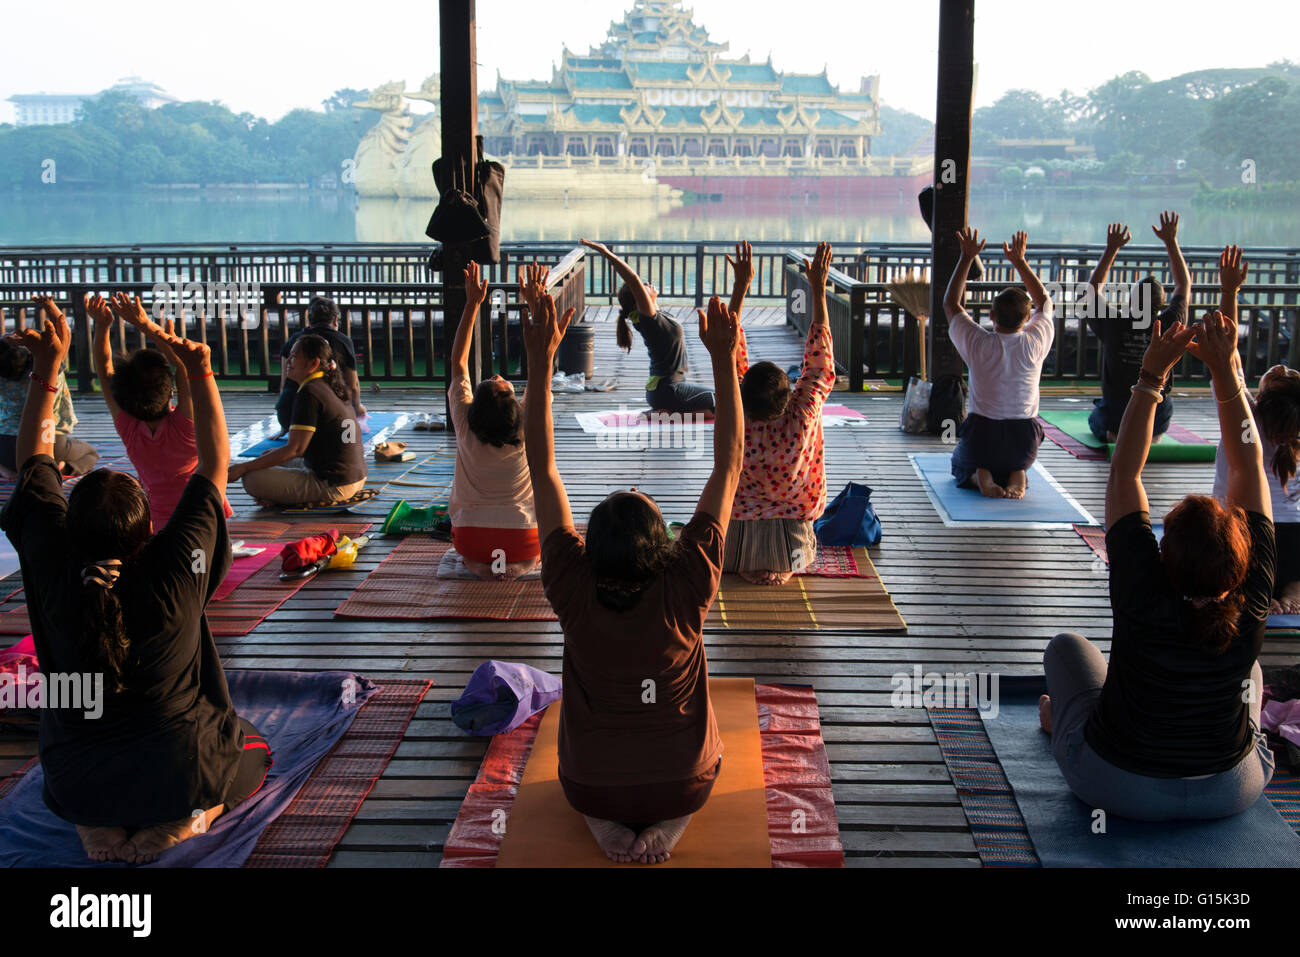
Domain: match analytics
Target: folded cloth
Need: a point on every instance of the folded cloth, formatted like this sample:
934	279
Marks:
451	565
308	551
502	695
1282	718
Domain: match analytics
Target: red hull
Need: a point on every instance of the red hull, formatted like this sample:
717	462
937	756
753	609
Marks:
801	187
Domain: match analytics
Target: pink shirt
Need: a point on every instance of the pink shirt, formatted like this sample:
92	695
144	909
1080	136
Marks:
164	460
491	487
784	473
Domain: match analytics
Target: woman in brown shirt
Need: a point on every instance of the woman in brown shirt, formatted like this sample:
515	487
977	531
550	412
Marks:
639	747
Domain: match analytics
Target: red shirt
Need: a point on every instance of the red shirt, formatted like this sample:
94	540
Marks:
164	459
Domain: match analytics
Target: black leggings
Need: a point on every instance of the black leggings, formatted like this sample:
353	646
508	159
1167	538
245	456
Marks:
253	766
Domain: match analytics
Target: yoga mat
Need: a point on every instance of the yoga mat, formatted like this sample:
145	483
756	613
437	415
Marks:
1061	826
376	427
302	716
802	824
403	587
542	830
1095	537
1045	505
243	568
808	602
1178	444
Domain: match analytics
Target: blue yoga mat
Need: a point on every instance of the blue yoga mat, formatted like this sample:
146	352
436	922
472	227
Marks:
1060	825
302	715
371	425
1045	504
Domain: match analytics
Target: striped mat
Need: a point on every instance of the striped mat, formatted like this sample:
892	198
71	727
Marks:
990	805
796	777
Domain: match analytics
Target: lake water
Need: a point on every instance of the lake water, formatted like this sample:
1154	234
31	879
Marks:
33	217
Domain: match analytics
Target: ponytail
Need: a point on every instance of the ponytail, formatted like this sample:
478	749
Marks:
1277	412
318	347
1284	461
626	306
1206	554
108	525
1213	625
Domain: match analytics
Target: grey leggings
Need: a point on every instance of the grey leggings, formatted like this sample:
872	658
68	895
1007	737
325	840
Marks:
1076	671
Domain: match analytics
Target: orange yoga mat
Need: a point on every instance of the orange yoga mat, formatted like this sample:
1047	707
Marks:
729	831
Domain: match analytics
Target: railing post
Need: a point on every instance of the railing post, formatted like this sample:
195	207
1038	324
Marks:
271	297
81	338
857	322
699	275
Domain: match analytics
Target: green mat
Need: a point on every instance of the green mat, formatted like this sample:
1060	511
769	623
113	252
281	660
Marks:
1176	445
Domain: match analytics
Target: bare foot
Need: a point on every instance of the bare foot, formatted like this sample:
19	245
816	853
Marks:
1289	600
102	843
148	842
1017	483
1112	438
766	577
1045	713
988	487
614	839
655	844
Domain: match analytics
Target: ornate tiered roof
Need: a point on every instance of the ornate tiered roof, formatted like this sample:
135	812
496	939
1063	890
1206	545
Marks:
658	70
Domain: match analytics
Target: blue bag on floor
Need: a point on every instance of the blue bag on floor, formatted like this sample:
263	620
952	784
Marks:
849	519
502	695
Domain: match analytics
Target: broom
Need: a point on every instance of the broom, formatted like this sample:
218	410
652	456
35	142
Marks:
912	292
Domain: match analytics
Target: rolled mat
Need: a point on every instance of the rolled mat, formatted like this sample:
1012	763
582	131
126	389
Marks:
302	715
801	818
1063	828
542	830
1178	444
1046	503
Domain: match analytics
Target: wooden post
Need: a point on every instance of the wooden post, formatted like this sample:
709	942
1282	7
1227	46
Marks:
951	168
458	49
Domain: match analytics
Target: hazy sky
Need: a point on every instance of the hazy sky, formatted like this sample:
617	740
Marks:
270	57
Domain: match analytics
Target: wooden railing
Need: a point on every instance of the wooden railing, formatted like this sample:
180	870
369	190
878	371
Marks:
845	312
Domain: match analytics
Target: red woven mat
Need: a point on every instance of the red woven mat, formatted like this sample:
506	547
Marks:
251	601
833	561
1071	444
1095	536
801	820
403	587
307	831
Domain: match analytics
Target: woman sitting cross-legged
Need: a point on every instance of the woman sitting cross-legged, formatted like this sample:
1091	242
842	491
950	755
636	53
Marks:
638	302
632	606
1276	408
324	433
783	485
493	527
107	596
1170	730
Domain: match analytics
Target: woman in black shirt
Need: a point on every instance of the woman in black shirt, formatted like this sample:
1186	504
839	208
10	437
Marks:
1170	730
324	431
667	389
166	753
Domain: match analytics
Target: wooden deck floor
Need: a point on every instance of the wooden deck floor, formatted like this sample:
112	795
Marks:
974	600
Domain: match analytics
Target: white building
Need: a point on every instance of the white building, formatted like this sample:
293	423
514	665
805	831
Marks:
45	109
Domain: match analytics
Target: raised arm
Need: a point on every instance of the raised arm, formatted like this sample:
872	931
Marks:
162	337
1015	251
210	434
475	294
743	267
720	333
101	349
1117	237
1232	276
1167	232
971	246
48	341
645	300
818	375
1124	491
542	335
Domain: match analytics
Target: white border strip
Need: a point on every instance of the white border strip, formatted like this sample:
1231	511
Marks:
950	522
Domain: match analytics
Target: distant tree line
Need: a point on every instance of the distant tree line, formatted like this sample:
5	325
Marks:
1202	125
117	143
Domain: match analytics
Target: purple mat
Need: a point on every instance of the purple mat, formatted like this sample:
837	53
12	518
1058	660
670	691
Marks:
302	715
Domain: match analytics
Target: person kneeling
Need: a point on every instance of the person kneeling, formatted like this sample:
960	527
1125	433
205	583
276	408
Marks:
323	432
783	484
493	527
998	441
639	746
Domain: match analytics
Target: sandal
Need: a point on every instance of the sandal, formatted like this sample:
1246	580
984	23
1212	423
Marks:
393	452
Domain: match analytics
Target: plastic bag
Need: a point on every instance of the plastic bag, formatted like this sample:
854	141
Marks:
502	695
915	415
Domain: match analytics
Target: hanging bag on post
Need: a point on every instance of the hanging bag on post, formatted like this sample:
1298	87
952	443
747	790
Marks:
849	519
469	208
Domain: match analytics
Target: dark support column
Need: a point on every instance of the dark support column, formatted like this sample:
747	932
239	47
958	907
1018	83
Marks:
459	129
951	168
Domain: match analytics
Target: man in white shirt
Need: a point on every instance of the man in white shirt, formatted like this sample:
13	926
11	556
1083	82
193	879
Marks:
998	442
